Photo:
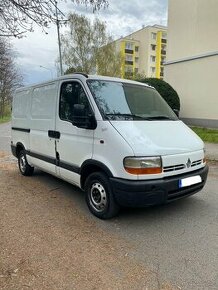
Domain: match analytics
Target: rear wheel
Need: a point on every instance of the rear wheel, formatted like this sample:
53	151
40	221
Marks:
24	166
99	196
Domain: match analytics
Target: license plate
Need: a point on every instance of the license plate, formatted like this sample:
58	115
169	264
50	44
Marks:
190	181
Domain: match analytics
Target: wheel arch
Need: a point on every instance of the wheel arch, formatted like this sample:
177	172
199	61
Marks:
19	147
90	166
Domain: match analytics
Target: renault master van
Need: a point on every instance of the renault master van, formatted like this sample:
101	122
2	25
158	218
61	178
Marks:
116	139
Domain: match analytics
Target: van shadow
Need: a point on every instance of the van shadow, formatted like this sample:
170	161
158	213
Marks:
176	211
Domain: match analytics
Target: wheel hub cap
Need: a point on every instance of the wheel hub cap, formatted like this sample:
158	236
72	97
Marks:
98	197
22	163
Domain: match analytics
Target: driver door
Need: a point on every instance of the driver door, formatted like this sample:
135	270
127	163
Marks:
75	144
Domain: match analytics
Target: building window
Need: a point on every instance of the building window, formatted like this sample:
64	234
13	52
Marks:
136	59
129	45
136	48
164	35
153	46
152	58
136	70
163	59
153	35
128	57
152	69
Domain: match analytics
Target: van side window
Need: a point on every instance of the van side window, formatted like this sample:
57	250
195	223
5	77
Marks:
72	96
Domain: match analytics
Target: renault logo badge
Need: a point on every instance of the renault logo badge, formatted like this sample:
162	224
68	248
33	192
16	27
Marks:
188	164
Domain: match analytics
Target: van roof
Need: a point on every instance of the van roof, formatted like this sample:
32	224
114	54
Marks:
98	77
83	76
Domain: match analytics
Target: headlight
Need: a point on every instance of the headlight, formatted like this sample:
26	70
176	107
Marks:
143	165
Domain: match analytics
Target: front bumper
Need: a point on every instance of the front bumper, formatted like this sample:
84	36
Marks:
140	193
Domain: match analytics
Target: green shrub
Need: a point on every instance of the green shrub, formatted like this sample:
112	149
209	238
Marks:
165	90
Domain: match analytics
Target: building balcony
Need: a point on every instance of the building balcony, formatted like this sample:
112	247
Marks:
130	51
128	62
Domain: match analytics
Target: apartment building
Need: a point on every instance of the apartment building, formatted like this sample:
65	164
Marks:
144	52
192	59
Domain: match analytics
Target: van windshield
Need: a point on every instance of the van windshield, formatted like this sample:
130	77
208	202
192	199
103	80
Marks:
125	101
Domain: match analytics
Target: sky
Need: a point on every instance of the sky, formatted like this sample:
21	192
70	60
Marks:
36	54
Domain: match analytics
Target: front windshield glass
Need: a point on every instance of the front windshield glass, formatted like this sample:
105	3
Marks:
124	101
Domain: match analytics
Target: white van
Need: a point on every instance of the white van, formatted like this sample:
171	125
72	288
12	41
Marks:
116	139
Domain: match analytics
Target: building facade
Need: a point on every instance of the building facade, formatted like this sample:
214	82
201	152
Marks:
144	52
192	59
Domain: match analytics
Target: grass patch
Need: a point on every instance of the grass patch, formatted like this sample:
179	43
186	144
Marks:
5	119
207	135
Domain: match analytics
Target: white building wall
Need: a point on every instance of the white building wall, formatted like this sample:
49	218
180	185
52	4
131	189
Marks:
192	59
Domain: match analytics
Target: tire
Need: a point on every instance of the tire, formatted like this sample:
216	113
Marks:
25	168
99	196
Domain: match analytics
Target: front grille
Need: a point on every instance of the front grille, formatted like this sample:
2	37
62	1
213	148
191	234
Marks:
195	163
181	166
174	167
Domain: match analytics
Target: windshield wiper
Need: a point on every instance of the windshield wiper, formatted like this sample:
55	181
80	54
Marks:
161	118
126	116
137	117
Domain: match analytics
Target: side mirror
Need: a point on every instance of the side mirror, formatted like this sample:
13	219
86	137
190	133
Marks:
82	118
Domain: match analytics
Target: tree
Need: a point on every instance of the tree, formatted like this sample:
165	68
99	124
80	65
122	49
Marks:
135	76
109	60
165	90
9	76
89	50
17	16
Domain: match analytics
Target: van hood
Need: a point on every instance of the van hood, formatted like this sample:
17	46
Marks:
149	138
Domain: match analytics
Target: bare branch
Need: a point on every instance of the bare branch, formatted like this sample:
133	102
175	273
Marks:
17	16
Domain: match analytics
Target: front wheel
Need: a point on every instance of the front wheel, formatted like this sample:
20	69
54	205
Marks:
24	166
99	196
